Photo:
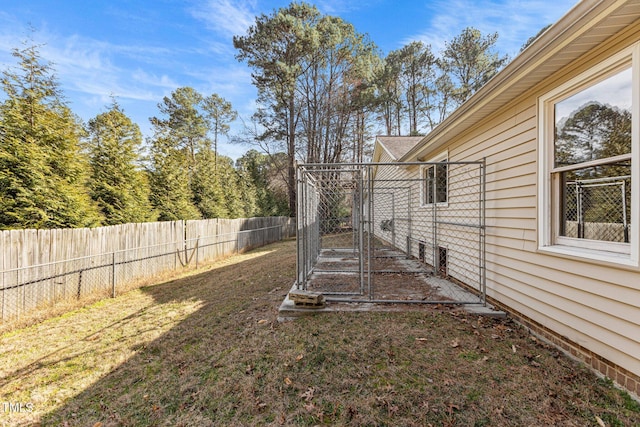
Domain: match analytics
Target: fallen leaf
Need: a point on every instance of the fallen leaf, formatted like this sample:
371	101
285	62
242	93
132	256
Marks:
99	424
262	321
600	422
455	343
288	381
299	357
308	395
513	348
421	339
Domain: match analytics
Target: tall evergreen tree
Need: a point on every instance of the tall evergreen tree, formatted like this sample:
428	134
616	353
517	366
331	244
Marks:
310	72
219	113
118	184
178	137
231	188
470	60
337	72
171	193
185	181
207	186
389	95
265	174
417	75
275	47
42	168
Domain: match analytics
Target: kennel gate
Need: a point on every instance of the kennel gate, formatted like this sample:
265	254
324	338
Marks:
392	232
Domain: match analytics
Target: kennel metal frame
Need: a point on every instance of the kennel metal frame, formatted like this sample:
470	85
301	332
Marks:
359	188
608	226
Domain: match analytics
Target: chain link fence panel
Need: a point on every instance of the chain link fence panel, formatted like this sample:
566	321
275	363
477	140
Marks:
392	232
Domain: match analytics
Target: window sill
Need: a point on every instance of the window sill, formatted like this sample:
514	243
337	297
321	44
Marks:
590	254
438	205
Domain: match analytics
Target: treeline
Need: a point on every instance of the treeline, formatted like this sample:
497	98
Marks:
57	172
324	90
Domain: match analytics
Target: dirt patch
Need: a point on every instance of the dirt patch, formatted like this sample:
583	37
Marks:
207	350
394	277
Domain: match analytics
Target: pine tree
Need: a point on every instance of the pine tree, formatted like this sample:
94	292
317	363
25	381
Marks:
187	181
267	181
207	187
42	168
118	184
179	136
171	193
219	113
227	175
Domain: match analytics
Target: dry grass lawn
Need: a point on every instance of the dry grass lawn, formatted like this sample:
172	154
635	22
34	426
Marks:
206	349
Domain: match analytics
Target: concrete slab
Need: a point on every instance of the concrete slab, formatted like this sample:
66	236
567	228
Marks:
290	311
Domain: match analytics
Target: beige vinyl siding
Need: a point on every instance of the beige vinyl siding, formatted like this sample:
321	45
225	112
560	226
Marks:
462	201
386	193
593	304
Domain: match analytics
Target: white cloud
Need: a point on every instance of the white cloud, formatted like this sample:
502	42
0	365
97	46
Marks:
226	16
338	7
514	21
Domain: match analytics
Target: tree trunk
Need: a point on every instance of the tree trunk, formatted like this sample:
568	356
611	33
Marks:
291	148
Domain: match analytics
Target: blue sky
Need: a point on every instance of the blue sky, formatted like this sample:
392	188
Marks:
140	51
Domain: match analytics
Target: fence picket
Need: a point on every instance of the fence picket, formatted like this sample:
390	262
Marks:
42	267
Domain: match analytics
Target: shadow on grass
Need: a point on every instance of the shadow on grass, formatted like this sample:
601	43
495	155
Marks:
162	381
228	362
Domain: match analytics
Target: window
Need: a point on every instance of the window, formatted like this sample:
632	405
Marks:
434	180
589	163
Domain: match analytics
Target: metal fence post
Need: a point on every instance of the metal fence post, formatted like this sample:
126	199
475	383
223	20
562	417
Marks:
113	274
80	284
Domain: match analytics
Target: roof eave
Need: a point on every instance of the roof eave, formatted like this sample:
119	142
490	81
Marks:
582	17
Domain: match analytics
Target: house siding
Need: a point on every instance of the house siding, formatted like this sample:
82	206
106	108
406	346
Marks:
462	243
591	307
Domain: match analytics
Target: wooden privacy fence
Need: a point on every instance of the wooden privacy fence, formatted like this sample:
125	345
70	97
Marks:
40	268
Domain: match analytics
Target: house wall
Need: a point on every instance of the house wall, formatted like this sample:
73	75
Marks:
589	308
398	192
392	194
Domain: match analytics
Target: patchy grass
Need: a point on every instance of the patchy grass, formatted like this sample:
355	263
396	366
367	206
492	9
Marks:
206	350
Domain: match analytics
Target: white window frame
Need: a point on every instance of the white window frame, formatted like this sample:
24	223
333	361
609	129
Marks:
442	157
548	217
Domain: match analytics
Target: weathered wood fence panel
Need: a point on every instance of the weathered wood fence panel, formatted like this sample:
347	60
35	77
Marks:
42	267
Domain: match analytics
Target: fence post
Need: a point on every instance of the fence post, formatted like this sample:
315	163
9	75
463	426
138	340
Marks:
79	284
113	274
